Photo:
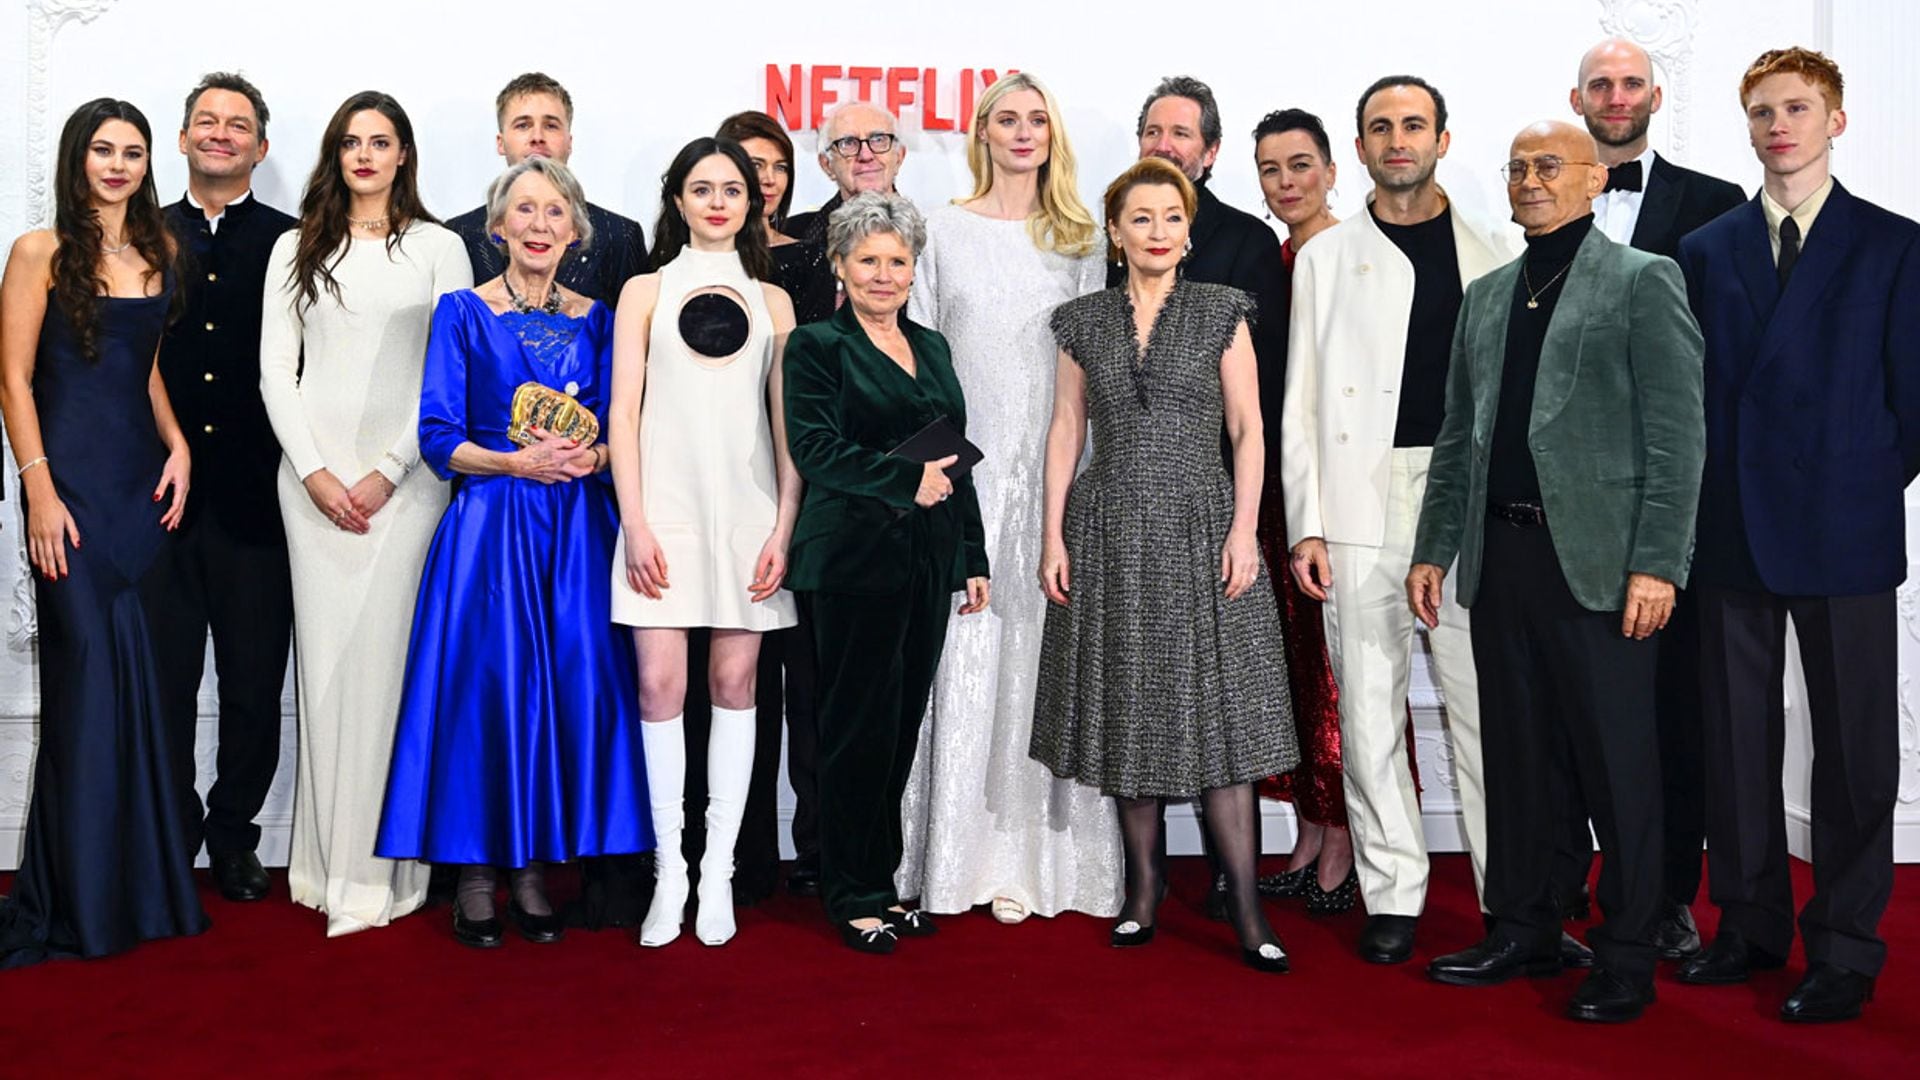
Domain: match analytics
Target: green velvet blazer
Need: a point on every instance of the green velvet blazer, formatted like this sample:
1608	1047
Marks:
1618	433
847	405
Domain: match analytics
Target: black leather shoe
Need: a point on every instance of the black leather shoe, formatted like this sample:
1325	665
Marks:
539	929
1609	998
1288	882
1129	934
1573	953
1491	962
1388	939
878	940
1339	901
803	879
1828	993
1215	907
1576	905
1729	960
1270	958
913	923
240	877
479	933
1676	936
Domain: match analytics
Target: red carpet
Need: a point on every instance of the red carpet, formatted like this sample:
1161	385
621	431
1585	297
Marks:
264	993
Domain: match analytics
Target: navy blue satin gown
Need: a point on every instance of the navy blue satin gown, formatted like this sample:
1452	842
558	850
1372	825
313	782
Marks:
519	734
107	860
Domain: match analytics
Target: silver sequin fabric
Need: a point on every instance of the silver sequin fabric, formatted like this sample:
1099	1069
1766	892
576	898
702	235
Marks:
1152	682
981	819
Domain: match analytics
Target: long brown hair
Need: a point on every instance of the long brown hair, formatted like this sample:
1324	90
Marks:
742	126
323	207
77	277
670	230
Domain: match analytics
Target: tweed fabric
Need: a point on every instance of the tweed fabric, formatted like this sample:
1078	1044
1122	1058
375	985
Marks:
1152	682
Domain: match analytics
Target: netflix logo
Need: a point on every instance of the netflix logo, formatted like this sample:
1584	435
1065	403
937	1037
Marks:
798	95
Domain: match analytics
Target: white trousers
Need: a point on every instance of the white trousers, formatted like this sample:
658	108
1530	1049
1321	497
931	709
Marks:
1370	640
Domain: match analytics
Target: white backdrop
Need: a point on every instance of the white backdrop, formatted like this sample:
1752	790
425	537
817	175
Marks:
643	84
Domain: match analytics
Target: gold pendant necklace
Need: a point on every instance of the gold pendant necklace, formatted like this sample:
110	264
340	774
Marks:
1533	294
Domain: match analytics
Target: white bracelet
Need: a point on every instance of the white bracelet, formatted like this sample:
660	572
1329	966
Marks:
41	460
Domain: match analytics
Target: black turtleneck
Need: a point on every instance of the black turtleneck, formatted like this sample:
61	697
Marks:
1510	473
1437	291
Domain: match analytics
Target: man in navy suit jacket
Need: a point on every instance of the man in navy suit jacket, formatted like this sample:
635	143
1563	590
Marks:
1810	302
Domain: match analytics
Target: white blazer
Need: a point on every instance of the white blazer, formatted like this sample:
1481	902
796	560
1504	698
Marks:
1352	296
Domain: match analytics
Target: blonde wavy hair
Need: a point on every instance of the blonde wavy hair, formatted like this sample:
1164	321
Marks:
1062	223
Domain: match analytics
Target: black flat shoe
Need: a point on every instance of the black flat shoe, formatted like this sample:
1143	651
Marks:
1573	953
477	933
1129	934
1728	961
1493	961
878	940
1339	901
539	929
1288	883
1270	958
1609	998
240	877
1215	907
1828	993
1388	939
913	923
1675	935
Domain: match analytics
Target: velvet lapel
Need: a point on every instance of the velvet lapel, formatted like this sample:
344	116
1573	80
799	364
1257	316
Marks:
1826	249
1560	349
1490	347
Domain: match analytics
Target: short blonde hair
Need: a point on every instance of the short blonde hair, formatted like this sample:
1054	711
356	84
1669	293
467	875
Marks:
1142	173
1812	66
562	179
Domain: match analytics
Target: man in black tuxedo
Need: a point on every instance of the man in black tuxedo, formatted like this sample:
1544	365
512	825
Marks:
1650	203
231	573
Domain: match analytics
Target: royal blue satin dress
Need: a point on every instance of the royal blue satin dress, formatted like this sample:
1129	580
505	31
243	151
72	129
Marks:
519	732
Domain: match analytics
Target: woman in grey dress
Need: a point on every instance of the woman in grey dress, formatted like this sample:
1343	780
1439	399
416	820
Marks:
1162	668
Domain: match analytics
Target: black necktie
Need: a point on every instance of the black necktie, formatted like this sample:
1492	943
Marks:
1624	177
1789	247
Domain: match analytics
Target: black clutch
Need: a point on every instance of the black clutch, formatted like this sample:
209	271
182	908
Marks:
937	440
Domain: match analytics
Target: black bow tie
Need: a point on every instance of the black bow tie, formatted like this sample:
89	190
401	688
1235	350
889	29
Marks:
1624	177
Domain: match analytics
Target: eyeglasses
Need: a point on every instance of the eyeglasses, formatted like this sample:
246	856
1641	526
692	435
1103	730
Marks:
849	145
1546	168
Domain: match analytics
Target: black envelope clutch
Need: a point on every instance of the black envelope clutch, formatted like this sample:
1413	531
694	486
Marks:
937	440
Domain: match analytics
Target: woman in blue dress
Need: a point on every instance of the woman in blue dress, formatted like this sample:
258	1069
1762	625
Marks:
518	740
107	860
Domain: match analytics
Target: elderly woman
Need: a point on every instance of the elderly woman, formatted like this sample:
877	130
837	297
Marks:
1162	674
882	543
518	738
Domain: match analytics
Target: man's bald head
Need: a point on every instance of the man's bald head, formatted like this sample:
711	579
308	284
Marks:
1617	96
1541	205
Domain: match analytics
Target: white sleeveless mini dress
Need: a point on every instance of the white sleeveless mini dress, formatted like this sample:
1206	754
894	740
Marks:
707	472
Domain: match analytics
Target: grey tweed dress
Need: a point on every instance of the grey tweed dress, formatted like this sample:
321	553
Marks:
1152	682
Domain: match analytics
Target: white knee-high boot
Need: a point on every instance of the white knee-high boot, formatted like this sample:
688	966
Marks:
664	742
729	770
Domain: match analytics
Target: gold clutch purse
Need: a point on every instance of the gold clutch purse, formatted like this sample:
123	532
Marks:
537	406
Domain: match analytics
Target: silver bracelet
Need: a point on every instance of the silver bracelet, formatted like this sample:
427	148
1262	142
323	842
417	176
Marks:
41	460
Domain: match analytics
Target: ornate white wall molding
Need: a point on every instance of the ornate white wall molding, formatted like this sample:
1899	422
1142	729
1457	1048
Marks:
45	20
1665	28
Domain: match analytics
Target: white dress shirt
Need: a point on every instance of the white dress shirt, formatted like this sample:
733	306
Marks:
1617	212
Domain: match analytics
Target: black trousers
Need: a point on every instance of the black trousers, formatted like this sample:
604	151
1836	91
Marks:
787	688
243	591
877	656
1553	672
1683	769
1848	653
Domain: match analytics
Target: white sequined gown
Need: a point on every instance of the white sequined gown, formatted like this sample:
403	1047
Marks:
980	818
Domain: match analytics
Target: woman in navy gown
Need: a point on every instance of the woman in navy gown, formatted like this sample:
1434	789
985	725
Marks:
107	861
518	739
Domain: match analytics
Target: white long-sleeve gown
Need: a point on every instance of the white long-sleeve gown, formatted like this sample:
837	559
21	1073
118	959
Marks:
354	409
980	818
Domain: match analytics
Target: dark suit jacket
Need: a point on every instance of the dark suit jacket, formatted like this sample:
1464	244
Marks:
847	405
1615	429
1678	201
1812	400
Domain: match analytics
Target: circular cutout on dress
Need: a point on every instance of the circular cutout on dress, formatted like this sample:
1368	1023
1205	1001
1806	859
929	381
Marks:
714	325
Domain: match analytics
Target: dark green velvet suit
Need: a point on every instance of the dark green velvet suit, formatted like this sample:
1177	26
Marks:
877	575
1617	433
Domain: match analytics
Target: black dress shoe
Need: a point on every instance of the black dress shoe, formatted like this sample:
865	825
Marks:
1388	939
878	940
1576	905
804	878
913	923
1828	993
477	933
240	877
1609	998
1215	907
1729	960
1676	936
1493	961
1574	953
1288	882
1129	934
1270	958
539	929
1338	901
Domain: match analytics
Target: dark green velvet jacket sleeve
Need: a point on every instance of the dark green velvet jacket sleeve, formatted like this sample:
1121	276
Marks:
1667	354
1443	512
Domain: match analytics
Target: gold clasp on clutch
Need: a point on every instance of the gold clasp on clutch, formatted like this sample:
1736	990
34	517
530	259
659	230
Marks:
539	406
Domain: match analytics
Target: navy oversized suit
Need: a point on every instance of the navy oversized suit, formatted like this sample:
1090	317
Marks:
1813	433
